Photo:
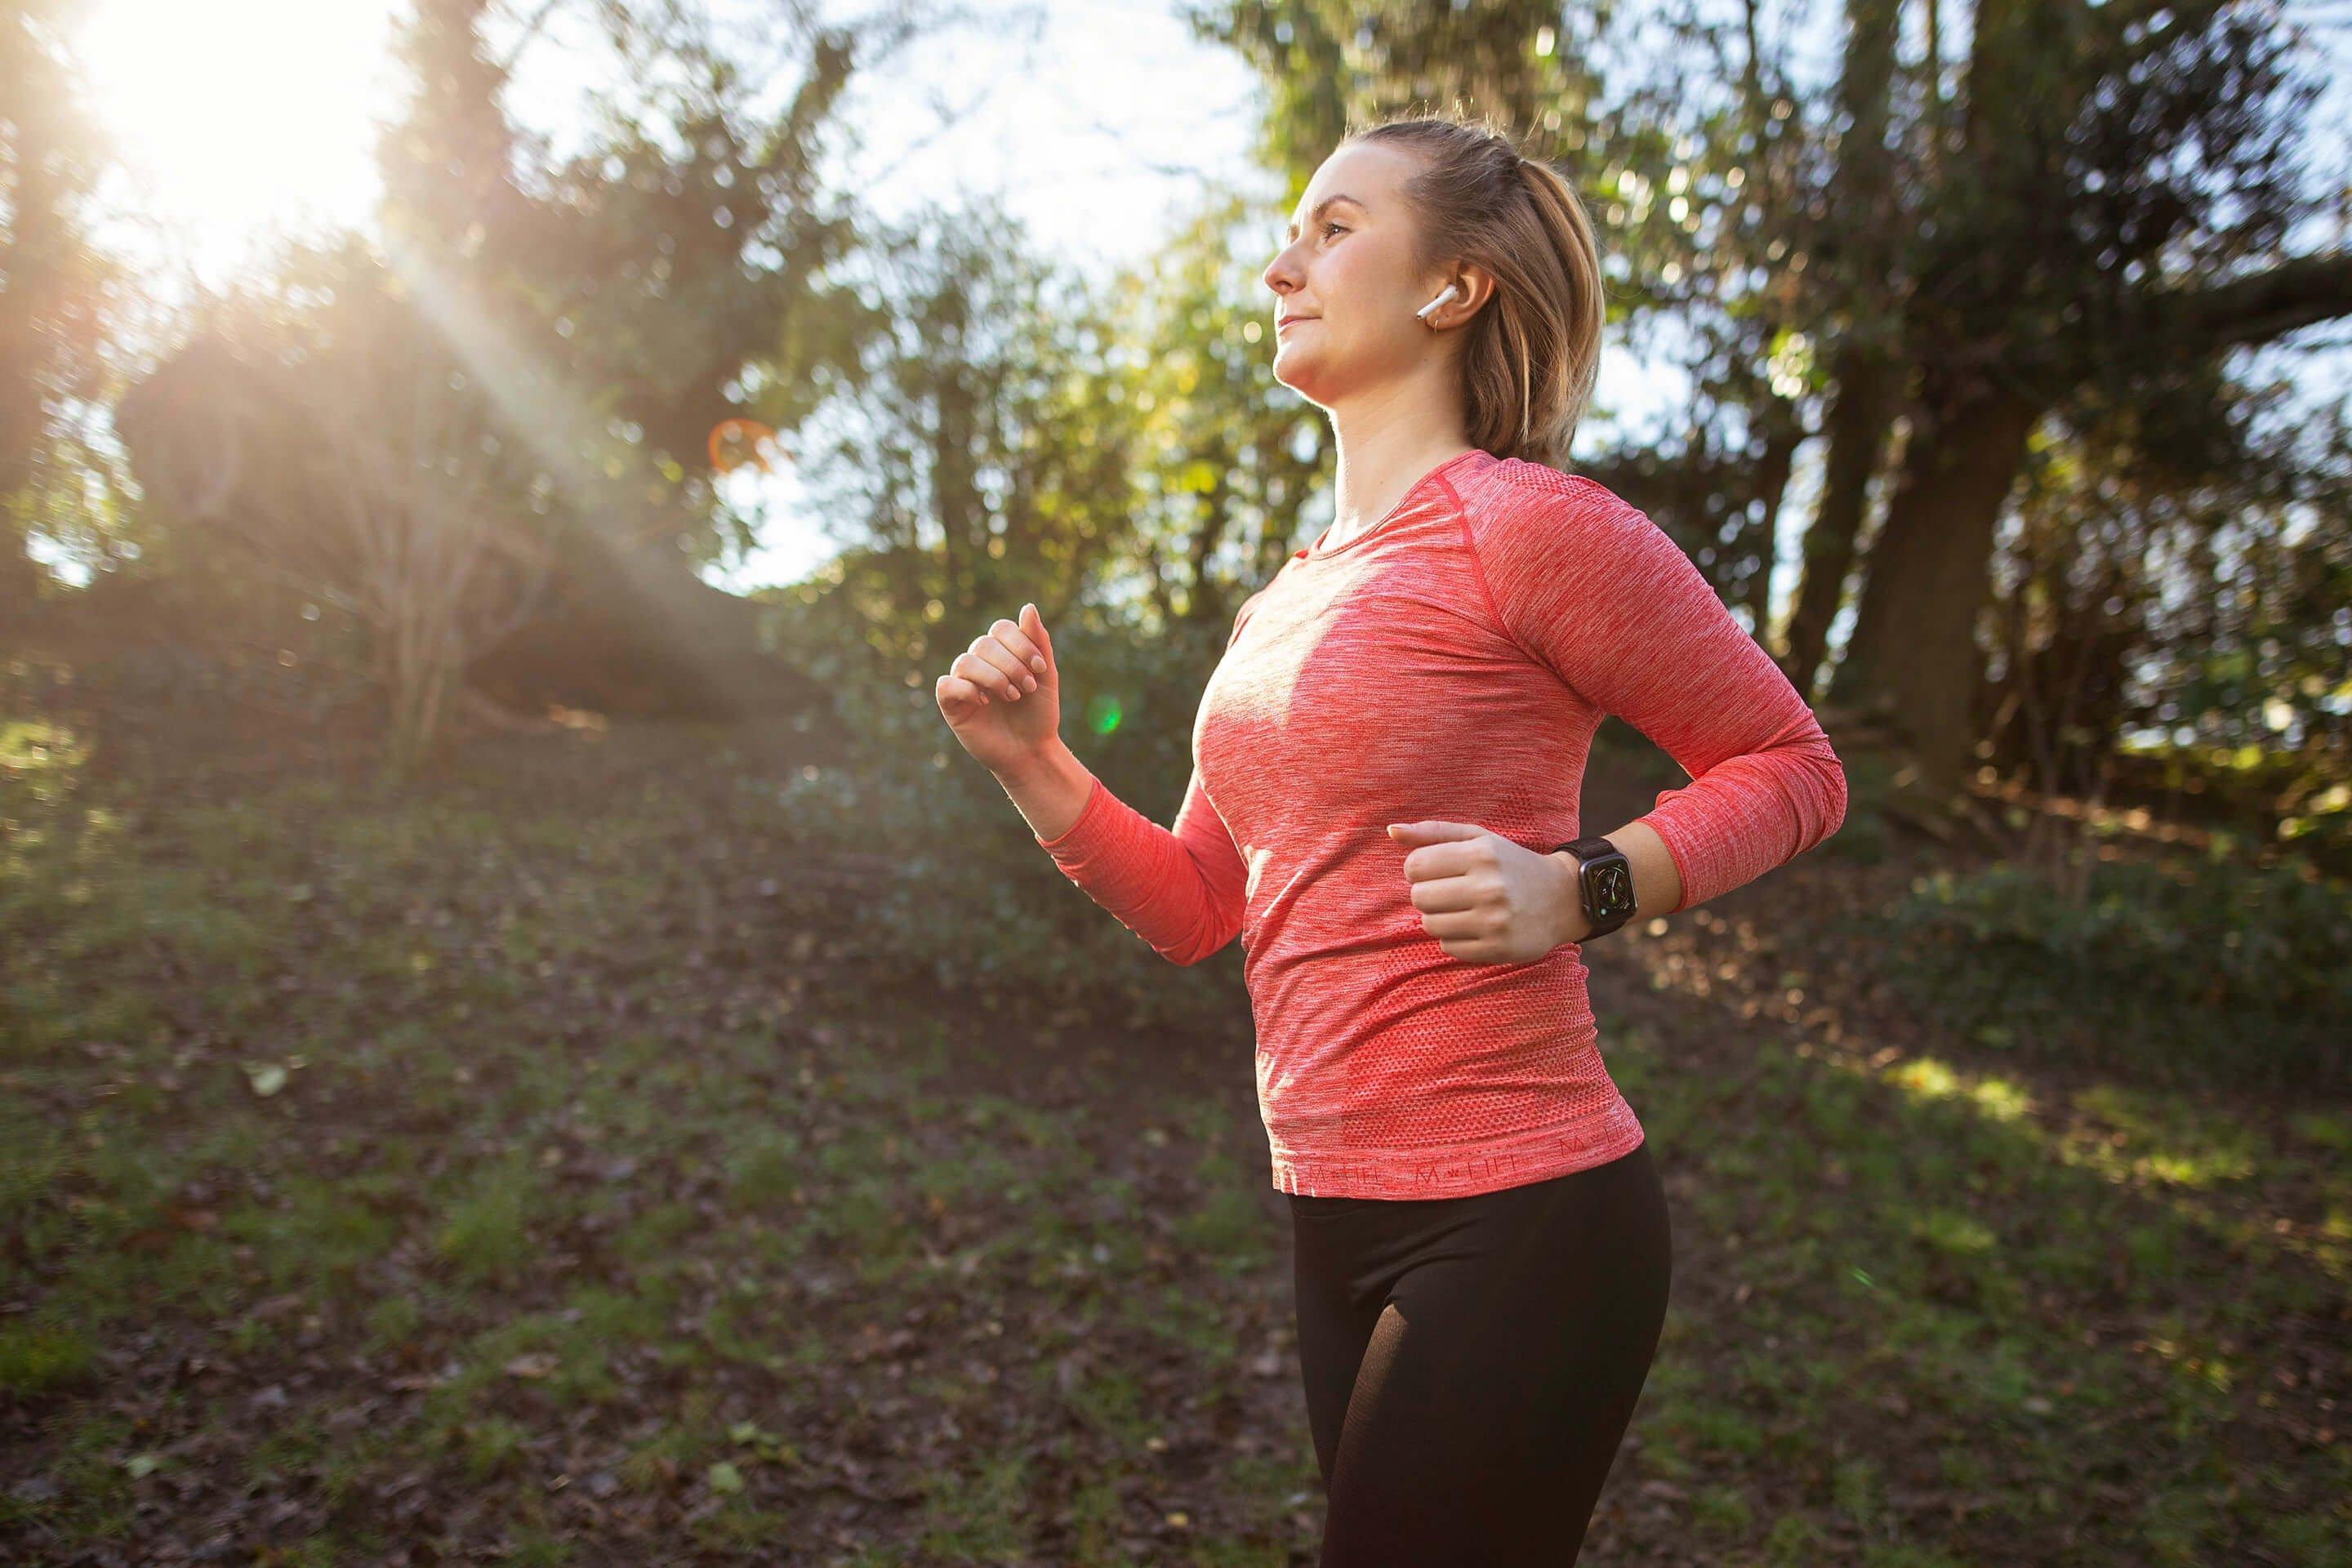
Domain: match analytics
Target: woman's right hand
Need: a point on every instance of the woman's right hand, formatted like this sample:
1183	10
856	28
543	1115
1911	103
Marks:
1003	696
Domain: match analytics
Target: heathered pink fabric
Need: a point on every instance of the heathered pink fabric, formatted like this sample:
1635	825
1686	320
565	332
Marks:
1449	663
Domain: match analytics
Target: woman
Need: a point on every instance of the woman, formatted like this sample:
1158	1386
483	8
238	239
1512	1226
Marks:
1385	791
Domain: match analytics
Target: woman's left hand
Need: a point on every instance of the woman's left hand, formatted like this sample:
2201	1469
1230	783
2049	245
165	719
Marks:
1485	899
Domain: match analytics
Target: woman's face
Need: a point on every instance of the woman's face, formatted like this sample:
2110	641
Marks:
1345	273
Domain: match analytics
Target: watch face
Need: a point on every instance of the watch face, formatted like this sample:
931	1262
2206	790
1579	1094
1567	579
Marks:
1612	892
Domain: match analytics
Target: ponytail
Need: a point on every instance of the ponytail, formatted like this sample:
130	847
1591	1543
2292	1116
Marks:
1533	354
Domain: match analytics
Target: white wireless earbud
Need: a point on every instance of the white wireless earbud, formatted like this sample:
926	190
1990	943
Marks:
1443	295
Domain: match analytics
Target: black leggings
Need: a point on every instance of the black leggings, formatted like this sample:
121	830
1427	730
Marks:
1471	1363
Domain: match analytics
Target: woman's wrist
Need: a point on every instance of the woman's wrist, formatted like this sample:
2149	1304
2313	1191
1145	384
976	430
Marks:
1050	789
1572	924
1049	760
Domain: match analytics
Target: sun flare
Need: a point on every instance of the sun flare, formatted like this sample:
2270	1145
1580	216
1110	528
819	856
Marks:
234	119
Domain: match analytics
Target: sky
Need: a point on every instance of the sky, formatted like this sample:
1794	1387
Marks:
1099	122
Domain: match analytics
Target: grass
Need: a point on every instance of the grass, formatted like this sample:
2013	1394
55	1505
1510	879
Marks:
599	1204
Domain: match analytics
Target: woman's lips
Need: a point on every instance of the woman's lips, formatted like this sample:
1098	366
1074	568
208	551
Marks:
1290	322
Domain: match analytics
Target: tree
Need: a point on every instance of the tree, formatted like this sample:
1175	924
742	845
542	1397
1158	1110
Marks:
2071	244
54	317
976	454
345	452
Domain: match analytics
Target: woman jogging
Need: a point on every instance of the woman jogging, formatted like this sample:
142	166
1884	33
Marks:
1383	809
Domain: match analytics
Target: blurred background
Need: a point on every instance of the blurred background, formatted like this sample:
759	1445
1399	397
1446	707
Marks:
523	1034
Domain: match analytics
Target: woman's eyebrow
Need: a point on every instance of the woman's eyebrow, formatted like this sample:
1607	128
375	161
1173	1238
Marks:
1292	232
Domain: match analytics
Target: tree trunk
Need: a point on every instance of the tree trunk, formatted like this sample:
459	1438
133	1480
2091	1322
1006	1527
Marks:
1863	408
1783	436
20	587
1913	660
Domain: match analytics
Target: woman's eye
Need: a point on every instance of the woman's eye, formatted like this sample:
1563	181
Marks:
1329	226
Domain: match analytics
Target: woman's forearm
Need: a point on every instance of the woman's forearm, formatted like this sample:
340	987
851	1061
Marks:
1748	812
1181	889
1050	791
1657	881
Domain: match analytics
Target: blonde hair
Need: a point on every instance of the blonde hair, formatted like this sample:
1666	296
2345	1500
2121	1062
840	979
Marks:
1532	355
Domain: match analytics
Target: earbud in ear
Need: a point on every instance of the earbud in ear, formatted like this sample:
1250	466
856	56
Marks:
1443	295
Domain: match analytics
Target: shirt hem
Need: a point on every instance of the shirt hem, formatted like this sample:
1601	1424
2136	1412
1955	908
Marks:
1460	1170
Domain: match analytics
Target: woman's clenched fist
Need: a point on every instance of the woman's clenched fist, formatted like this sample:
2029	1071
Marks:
1003	696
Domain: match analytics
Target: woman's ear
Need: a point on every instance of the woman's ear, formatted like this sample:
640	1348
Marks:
1477	287
1459	297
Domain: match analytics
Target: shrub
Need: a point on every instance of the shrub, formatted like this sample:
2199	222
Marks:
960	892
2193	971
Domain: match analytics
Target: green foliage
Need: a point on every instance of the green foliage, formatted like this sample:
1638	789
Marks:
2211	972
958	887
1867	837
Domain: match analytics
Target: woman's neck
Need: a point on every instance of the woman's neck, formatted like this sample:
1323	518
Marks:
1383	447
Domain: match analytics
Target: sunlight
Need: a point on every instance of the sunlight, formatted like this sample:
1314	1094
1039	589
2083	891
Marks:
241	118
1925	1078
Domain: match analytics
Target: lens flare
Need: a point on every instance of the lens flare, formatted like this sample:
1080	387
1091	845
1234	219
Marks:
734	442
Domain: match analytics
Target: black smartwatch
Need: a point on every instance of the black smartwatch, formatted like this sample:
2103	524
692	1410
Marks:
1607	880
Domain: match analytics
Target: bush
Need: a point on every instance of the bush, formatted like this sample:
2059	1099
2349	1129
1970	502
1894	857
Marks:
2192	971
962	894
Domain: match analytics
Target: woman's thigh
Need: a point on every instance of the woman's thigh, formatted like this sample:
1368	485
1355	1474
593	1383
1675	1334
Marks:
1497	1370
1336	1313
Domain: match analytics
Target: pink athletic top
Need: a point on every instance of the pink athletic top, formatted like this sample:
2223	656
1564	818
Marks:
1449	663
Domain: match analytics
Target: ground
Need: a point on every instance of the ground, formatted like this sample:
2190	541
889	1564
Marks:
523	1165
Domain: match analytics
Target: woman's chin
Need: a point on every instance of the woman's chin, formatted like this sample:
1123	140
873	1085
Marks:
1296	371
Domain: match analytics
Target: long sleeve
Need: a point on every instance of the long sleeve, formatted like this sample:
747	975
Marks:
1181	889
1589	585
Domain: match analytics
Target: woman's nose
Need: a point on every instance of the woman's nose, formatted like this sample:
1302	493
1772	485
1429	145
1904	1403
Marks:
1280	270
